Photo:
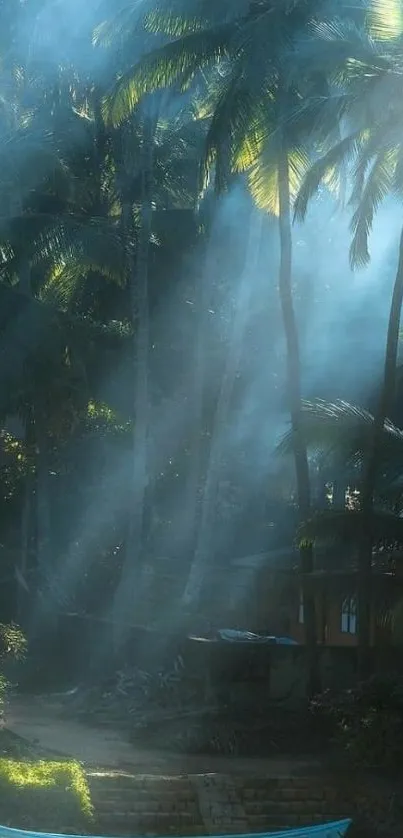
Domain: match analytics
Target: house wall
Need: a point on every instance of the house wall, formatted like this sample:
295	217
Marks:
328	616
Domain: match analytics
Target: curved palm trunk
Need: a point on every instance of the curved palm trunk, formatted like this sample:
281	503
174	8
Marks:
372	471
129	583
203	551
294	395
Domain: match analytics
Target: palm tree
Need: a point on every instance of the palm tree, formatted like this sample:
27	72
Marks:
142	137
209	494
156	156
370	70
50	245
248	103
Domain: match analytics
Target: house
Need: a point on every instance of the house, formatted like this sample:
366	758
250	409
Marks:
337	610
263	594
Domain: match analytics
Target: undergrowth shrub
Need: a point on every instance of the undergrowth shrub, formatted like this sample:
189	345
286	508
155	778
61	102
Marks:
13	646
366	723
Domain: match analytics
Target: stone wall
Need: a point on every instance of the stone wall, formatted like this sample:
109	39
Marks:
223	804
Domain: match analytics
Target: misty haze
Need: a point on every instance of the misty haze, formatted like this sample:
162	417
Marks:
201	402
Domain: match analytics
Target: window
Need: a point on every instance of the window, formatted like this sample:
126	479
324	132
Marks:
349	615
301	608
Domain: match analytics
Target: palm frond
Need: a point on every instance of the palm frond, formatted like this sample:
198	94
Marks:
93	243
343	432
263	178
67	279
121	24
382	138
385	19
236	123
60	287
28	159
398	172
324	168
83	329
346	526
175	63
328	46
377	186
177	18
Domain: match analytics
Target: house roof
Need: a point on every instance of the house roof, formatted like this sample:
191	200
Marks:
283	558
344	582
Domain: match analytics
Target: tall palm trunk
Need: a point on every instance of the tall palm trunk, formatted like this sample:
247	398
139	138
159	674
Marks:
203	551
129	582
43	496
28	531
294	397
372	471
36	528
196	423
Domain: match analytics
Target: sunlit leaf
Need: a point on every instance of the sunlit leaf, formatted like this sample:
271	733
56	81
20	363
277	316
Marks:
385	19
175	63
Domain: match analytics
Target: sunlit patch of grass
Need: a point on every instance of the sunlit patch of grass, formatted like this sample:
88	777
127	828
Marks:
43	774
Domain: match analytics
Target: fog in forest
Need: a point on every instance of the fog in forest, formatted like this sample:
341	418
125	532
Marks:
206	473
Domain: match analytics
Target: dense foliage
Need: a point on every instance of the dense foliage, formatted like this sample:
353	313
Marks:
159	284
45	793
366	722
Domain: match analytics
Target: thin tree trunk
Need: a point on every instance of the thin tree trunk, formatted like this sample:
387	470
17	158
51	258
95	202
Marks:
129	583
372	471
203	551
294	396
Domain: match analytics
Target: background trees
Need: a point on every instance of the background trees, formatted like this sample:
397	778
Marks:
163	316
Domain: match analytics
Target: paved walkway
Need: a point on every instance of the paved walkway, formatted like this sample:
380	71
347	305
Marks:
40	721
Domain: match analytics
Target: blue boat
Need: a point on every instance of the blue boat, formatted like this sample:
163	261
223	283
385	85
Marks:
336	829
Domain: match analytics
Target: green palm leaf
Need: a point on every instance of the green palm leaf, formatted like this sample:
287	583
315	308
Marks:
377	186
343	432
177	18
94	242
324	168
385	19
175	63
263	178
236	124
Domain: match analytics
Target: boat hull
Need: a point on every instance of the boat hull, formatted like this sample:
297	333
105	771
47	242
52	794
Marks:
336	829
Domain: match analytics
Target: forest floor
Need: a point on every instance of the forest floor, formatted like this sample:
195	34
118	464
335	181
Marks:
39	722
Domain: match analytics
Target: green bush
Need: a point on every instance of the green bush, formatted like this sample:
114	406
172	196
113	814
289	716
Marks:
13	646
366	723
13	642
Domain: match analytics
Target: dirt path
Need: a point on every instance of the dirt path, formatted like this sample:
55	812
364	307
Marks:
40	721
